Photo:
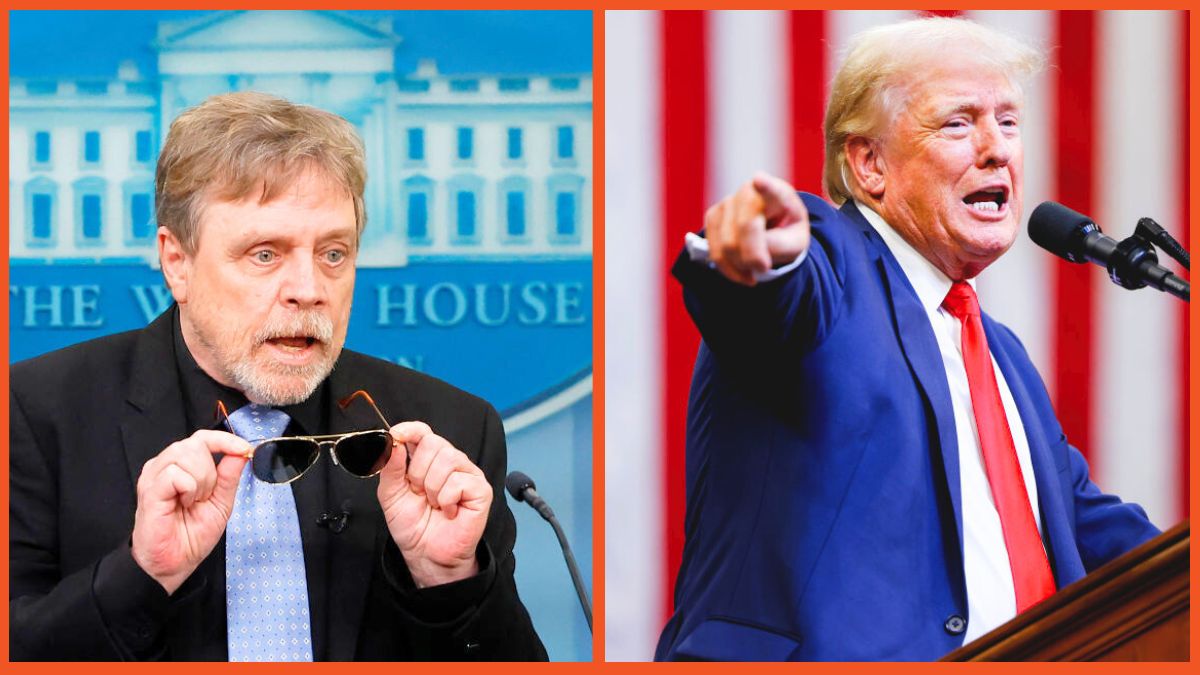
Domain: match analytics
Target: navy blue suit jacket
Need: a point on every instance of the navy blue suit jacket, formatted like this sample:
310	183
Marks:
824	515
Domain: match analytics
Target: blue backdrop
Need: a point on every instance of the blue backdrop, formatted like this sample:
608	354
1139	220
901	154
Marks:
476	263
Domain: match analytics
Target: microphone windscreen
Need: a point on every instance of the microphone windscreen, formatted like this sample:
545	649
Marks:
517	483
1058	229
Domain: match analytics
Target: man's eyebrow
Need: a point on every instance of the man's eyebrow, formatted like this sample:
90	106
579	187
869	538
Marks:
967	106
253	237
341	233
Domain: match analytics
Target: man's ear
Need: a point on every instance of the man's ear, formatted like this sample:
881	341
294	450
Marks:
862	154
176	265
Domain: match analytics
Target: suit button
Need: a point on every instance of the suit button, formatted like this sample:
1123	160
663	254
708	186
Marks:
956	625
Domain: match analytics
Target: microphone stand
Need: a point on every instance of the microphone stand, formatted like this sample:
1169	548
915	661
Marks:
522	489
576	578
1124	268
1152	231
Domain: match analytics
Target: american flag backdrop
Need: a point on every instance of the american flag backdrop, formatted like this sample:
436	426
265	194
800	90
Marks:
696	101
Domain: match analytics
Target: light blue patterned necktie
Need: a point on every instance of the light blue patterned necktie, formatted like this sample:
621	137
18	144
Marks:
266	591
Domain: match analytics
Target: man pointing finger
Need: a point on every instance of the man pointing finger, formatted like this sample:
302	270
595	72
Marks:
875	470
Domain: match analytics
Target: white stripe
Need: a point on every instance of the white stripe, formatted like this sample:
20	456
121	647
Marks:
1017	289
748	91
1138	367
633	331
845	24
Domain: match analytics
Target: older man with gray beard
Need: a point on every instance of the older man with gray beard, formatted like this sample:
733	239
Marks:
169	495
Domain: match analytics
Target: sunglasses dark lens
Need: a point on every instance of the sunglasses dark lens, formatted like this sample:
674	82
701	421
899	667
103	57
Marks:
282	460
364	454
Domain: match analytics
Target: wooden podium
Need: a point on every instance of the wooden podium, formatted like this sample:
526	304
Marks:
1135	608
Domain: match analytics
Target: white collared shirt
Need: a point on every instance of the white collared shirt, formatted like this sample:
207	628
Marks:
991	599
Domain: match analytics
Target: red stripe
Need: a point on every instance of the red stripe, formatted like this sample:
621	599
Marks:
941	12
684	177
1181	232
1076	151
807	98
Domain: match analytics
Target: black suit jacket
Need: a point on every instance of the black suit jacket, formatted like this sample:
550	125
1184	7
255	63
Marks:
86	418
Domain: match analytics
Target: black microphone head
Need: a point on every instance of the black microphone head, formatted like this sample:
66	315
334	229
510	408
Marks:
517	483
1061	230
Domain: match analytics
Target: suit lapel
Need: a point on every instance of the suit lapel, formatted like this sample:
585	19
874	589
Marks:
354	553
1056	529
920	348
154	417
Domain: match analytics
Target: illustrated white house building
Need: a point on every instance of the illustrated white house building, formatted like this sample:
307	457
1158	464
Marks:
485	167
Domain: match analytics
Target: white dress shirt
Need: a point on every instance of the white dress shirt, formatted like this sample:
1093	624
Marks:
991	599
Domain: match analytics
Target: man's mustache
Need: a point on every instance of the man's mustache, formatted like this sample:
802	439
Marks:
308	324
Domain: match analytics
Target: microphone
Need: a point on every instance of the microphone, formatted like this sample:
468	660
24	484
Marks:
335	521
522	489
1131	263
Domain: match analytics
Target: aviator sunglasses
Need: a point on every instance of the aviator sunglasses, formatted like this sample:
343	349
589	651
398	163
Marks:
362	454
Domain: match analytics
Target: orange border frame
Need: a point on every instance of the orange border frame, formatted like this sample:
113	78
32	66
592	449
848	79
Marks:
598	433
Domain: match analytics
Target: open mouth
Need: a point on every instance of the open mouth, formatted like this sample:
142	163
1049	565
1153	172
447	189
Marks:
988	200
294	344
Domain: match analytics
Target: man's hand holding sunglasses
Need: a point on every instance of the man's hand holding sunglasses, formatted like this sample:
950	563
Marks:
436	503
184	500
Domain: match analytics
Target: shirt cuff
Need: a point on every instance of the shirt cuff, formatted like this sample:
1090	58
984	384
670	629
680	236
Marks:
697	249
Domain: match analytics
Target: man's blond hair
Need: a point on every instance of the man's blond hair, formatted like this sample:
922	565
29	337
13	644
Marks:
867	92
248	145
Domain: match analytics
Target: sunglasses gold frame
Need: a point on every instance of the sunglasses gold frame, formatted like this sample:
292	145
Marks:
321	442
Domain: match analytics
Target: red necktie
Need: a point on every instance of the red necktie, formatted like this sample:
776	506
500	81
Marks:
1032	579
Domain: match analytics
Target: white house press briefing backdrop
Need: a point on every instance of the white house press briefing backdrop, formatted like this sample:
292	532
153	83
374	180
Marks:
696	101
476	260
